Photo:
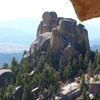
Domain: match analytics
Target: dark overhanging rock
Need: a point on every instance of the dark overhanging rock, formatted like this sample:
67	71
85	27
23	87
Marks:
86	9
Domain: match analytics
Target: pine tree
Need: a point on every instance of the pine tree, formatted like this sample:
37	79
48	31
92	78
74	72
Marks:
26	93
90	70
86	59
9	92
61	63
24	53
14	66
81	62
2	94
68	72
75	67
41	64
5	66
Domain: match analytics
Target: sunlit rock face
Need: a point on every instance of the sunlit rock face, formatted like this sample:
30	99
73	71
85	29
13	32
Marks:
86	9
48	23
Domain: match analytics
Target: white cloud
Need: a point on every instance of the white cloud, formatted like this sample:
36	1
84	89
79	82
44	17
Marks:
11	9
12	47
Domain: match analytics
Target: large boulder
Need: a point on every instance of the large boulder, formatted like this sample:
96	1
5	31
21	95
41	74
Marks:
70	91
5	77
86	9
48	23
59	32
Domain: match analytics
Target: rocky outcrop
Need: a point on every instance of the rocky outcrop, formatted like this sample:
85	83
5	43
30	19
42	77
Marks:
49	22
62	34
5	77
94	87
86	9
70	91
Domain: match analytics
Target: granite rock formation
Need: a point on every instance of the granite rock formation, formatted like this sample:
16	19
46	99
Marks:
5	77
86	9
62	34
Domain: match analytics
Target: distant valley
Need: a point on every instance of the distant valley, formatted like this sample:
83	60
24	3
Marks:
95	47
7	57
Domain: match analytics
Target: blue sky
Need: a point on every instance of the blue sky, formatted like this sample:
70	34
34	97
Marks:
19	20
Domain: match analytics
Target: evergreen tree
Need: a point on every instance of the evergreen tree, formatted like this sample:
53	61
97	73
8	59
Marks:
75	67
41	64
81	62
86	59
90	70
24	52
61	63
2	94
98	59
5	66
9	92
14	66
68	72
26	93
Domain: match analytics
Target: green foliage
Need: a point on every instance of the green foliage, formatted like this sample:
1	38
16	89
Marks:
90	69
86	59
61	63
75	67
9	92
41	64
5	66
14	66
49	69
49	77
26	93
97	70
2	94
81	62
68	72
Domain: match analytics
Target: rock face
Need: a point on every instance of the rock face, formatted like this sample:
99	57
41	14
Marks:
48	23
86	9
62	34
5	77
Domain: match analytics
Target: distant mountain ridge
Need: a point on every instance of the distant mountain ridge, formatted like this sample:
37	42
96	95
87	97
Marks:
19	30
7	57
95	47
